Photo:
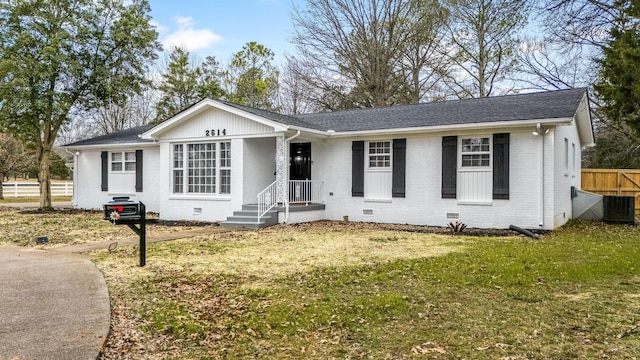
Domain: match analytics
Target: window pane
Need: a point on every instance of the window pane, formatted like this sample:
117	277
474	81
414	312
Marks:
225	181
476	152
201	168
178	181
116	166
130	166
379	154
475	160
225	154
178	159
130	156
116	156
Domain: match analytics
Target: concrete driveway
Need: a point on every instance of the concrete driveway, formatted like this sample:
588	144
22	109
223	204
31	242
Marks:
53	305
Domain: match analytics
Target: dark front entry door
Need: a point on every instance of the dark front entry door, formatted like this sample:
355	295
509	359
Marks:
300	161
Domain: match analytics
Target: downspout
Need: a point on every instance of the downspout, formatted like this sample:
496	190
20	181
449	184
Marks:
541	214
286	178
74	195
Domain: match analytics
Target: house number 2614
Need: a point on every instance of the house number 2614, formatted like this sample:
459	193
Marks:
215	132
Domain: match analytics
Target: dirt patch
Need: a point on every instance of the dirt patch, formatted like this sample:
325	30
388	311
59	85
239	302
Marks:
327	225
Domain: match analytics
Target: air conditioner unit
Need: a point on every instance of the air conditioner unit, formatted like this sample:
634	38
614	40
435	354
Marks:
619	209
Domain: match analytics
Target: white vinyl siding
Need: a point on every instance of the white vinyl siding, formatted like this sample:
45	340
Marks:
475	178
203	168
378	176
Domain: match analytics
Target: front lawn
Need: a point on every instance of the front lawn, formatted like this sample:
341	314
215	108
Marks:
65	227
329	290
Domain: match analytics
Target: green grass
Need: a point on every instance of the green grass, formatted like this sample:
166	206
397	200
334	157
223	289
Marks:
573	294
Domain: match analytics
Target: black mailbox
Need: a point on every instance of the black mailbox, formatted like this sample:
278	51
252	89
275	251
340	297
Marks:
122	209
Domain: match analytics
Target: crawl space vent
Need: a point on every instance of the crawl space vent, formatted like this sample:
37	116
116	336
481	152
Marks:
197	211
453	216
367	212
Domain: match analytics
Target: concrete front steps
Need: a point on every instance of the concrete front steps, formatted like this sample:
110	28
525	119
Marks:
247	218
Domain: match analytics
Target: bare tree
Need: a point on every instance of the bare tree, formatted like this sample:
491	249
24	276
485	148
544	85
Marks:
295	95
548	64
483	34
368	53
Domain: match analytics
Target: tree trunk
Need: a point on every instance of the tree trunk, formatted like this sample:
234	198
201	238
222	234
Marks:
1	186
45	177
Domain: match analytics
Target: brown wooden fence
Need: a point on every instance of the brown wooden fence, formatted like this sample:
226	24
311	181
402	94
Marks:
613	182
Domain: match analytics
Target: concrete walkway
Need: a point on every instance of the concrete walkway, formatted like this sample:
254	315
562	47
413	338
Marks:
53	305
135	240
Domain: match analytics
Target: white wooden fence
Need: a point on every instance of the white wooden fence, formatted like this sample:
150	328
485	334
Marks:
18	189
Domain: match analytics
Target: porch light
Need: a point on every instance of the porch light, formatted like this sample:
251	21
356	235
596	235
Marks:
540	130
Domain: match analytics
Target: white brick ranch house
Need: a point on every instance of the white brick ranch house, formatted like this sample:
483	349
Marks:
488	162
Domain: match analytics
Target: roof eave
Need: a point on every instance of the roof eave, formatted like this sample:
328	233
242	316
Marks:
455	127
584	122
112	146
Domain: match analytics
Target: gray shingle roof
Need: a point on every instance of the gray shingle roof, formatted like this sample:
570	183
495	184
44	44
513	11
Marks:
277	117
531	106
128	136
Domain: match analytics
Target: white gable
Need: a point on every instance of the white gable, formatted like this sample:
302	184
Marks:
212	120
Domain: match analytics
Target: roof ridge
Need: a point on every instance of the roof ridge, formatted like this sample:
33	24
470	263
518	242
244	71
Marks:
485	98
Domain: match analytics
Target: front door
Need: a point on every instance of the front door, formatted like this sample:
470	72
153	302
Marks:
300	161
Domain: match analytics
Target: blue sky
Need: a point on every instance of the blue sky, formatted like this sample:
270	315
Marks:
221	27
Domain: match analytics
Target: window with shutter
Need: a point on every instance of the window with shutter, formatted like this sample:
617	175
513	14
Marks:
357	168
449	166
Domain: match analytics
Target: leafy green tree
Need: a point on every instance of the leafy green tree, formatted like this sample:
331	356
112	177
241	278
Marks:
618	85
185	82
58	57
12	156
251	78
58	166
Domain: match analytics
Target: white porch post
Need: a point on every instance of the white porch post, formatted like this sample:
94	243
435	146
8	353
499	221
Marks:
281	170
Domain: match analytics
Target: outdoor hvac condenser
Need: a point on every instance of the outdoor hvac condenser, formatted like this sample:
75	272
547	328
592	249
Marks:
619	209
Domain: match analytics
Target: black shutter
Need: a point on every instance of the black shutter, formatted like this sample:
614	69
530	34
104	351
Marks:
105	170
399	167
501	166
357	168
449	166
138	170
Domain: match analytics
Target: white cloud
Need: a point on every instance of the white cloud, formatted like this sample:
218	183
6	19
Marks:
187	36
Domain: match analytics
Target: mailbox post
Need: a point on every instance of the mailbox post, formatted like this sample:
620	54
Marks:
122	211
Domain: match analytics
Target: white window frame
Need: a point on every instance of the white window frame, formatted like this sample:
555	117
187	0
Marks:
126	158
462	153
190	169
369	155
